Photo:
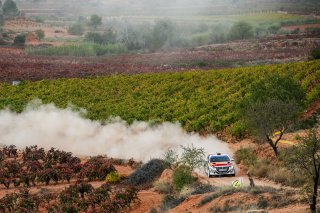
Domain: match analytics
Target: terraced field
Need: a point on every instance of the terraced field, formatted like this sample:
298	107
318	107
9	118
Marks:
204	101
16	65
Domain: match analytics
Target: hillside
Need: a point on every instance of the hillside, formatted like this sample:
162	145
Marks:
202	101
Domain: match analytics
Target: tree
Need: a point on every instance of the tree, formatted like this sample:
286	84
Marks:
10	8
163	31
306	157
20	39
272	104
241	30
95	21
1	17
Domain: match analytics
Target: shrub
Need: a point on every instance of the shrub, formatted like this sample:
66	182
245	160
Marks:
169	202
20	40
203	188
170	158
192	157
312	30
277	173
181	177
315	53
108	37
163	187
113	177
245	156
97	168
260	169
147	173
40	34
76	29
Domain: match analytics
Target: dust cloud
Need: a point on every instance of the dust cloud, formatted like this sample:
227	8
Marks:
48	126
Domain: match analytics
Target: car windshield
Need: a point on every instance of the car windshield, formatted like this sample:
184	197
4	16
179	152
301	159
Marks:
222	158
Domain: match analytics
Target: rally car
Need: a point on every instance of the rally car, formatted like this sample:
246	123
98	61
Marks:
219	165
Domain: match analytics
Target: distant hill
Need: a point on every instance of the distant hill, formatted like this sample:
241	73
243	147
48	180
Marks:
166	7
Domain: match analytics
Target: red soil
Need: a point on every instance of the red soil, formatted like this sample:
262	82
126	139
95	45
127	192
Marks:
15	65
302	28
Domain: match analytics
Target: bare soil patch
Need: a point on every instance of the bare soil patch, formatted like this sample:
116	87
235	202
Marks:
302	28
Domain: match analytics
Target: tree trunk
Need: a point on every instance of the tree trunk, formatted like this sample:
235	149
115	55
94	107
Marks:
313	204
274	147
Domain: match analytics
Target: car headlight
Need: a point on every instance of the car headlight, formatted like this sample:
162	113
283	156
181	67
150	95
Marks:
231	168
212	169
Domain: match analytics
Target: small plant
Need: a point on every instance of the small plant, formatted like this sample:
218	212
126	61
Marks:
203	188
40	34
163	187
181	177
113	177
170	158
169	202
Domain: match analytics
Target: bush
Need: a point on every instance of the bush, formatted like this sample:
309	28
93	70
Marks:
277	173
163	187
260	169
97	168
113	177
315	53
40	34
76	29
170	158
192	157
108	37
181	177
203	188
169	202
20	39
245	157
147	173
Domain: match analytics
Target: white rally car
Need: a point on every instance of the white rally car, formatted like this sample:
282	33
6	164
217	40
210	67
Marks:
219	165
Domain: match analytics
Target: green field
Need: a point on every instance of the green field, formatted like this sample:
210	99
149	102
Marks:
205	101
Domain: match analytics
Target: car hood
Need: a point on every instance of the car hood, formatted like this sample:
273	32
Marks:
220	164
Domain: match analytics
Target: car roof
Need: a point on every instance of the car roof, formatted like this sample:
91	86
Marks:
217	155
